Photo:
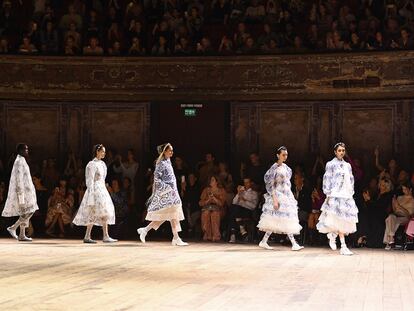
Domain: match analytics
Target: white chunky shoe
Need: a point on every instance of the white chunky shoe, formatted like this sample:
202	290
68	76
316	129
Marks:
332	241
345	251
297	247
178	242
12	232
142	232
265	245
109	240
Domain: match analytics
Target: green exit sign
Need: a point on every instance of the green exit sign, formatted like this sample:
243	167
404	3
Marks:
190	112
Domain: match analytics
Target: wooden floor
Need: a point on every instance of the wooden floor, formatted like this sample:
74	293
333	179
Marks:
69	275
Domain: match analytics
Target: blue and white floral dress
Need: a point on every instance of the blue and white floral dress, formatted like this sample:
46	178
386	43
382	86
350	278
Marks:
285	219
339	211
164	203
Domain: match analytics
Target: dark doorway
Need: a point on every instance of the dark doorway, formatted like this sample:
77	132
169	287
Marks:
193	128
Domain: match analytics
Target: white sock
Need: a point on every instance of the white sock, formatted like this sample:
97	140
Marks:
151	225
266	237
342	239
174	229
105	231
16	225
88	232
292	239
22	233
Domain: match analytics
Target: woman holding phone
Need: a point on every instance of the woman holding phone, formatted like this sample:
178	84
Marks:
212	202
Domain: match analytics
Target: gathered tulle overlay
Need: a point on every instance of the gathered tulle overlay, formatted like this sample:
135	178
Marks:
167	213
21	198
96	207
282	220
339	213
164	203
285	218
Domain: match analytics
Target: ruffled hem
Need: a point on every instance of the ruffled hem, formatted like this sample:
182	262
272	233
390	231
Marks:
95	222
173	212
279	225
329	222
97	216
14	212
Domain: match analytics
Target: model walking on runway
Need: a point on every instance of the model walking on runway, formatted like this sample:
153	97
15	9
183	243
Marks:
164	203
280	210
21	198
96	207
339	213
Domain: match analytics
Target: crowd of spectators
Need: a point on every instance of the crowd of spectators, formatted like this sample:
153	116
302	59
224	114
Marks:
195	27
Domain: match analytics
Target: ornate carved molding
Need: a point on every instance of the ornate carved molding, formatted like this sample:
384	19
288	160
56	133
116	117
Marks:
285	77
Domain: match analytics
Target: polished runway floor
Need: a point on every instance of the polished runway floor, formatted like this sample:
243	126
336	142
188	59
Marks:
50	274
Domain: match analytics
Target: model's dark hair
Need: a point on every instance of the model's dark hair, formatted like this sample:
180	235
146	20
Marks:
340	144
97	148
20	148
280	149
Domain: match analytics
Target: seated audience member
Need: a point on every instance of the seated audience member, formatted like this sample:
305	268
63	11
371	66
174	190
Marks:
93	48
373	214
244	203
302	194
191	196
402	211
318	197
60	209
212	202
27	47
120	200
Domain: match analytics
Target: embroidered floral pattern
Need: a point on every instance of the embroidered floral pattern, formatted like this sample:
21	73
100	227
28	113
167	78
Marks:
21	198
285	219
165	202
339	211
96	207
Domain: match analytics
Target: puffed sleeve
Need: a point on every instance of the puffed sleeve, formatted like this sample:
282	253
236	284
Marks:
90	175
328	179
90	172
351	176
273	178
269	179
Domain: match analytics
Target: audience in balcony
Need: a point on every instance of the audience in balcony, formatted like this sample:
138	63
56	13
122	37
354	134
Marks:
220	27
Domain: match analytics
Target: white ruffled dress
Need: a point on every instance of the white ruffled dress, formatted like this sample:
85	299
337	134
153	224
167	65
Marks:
339	211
